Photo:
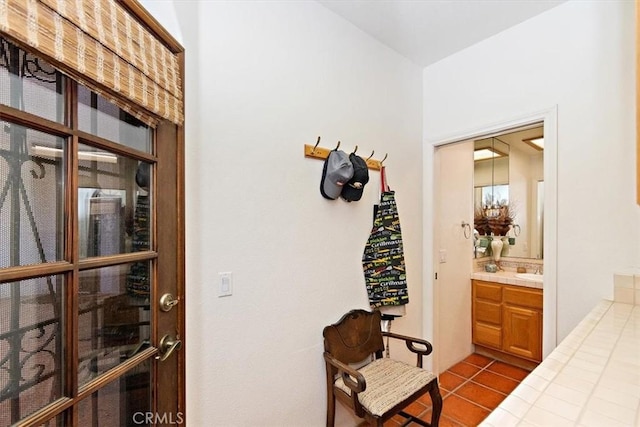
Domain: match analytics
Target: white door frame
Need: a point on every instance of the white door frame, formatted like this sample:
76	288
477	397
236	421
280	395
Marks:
549	118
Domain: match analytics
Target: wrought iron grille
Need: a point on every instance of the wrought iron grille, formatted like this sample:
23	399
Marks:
31	232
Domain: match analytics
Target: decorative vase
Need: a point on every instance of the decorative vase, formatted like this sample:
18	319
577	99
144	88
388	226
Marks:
496	247
506	244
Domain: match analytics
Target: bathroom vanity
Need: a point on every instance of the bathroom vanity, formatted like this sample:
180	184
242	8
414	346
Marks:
507	317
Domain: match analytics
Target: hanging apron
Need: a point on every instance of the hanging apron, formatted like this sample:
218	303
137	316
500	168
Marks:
383	257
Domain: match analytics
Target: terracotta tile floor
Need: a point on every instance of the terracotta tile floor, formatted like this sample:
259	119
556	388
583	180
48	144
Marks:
470	389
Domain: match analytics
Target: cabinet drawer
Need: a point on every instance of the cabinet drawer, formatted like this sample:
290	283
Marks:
523	297
488	291
490	336
488	312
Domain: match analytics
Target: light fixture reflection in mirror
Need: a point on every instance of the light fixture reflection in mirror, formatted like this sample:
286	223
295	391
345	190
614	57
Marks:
537	143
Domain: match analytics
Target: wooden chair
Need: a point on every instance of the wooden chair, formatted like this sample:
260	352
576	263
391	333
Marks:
381	387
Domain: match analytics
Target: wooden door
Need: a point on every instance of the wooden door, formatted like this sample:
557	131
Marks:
453	250
521	332
91	238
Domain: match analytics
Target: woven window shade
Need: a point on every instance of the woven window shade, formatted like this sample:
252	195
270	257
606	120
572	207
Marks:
99	44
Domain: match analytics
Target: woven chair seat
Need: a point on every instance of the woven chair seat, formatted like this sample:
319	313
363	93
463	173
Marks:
389	382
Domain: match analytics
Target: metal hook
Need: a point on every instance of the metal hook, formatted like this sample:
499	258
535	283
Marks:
372	153
315	146
384	158
338	146
466	228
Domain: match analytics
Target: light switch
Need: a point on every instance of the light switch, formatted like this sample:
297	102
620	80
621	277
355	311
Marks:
225	284
443	255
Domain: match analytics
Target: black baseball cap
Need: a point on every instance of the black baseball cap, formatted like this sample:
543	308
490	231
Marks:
352	190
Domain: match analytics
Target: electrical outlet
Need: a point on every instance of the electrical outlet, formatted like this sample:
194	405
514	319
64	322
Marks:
225	283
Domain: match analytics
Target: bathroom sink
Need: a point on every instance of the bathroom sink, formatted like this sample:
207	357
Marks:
530	276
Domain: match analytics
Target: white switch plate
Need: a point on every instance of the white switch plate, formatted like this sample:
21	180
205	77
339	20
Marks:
443	255
225	284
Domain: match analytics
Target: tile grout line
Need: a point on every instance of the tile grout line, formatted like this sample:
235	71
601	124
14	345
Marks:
602	373
469	380
465	382
481	369
582	326
424	413
450	392
576	347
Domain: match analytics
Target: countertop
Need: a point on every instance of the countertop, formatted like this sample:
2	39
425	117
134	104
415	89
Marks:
591	379
507	278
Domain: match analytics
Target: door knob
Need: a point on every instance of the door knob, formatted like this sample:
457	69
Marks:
167	345
167	301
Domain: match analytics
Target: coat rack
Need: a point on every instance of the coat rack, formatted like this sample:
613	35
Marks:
321	153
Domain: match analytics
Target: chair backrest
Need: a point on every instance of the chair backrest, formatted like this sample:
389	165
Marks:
354	337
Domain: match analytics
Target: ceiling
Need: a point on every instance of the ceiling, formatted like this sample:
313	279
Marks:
426	31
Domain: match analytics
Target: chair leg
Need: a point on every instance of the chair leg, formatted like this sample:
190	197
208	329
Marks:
436	400
331	409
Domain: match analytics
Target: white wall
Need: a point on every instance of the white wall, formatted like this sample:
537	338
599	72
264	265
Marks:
580	57
263	79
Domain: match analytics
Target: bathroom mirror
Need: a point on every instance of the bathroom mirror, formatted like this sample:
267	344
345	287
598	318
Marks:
508	182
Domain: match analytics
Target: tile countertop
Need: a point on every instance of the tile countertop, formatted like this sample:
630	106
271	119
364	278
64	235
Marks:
591	379
507	278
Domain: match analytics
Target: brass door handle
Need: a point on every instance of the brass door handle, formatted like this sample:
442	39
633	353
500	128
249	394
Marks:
167	345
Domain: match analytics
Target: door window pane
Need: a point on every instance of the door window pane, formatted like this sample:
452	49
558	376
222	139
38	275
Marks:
31	196
124	402
31	346
114	318
30	84
98	116
113	203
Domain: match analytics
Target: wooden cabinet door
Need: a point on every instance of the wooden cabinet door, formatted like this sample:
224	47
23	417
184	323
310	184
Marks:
521	332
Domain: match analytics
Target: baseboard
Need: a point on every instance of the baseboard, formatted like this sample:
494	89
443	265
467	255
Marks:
529	365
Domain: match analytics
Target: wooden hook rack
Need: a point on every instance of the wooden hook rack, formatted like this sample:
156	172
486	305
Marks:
321	153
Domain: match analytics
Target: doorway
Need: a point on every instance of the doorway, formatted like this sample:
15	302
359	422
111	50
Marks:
437	225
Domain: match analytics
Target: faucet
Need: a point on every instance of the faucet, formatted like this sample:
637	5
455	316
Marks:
538	270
